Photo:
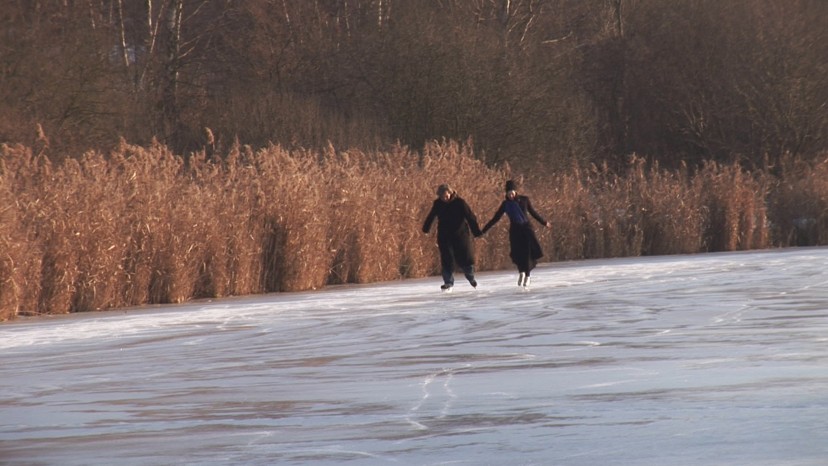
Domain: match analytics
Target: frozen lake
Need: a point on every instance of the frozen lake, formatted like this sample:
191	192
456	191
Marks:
717	359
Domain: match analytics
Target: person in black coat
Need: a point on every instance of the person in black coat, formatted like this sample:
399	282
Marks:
524	247
456	223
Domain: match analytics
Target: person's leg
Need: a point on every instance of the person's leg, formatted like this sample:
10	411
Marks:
529	265
468	271
519	252
447	265
448	278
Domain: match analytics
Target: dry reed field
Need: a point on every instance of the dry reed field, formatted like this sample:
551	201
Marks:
142	225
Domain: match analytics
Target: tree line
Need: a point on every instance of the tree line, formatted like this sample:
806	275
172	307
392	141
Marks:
536	83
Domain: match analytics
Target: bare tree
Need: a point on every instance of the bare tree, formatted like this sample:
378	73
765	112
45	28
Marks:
172	65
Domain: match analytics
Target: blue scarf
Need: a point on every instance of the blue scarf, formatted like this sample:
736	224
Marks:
515	213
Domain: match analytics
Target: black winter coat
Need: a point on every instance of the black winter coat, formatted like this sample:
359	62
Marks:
456	223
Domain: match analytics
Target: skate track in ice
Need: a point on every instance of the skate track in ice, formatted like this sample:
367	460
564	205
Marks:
714	359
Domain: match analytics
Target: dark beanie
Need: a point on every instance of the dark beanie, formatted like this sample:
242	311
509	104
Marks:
511	186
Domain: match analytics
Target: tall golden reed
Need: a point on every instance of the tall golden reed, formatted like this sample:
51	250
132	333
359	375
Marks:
798	201
143	225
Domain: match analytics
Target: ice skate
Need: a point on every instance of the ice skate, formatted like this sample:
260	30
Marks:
523	280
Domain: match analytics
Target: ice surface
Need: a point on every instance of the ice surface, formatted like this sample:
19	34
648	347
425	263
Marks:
715	359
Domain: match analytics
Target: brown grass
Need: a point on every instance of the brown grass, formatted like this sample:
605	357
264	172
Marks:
798	202
143	225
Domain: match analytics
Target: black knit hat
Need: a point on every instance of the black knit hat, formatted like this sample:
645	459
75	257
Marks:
511	186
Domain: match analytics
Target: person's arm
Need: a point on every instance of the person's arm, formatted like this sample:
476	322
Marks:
535	214
496	218
430	218
472	220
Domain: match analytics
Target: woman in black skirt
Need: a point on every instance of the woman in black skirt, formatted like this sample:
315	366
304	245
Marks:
525	249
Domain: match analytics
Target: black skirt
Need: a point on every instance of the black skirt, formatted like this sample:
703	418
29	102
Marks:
525	248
